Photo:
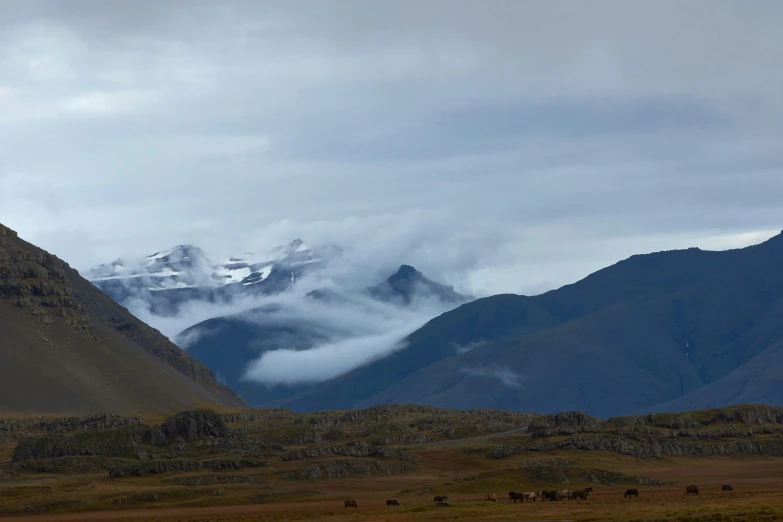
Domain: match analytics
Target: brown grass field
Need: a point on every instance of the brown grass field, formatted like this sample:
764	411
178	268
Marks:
758	495
459	467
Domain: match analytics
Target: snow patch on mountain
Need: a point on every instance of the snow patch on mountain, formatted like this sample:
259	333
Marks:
187	266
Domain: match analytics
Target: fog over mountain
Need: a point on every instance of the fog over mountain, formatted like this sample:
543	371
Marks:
331	322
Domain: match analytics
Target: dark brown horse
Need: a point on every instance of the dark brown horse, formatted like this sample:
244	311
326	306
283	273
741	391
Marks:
691	490
549	495
513	495
351	503
631	493
392	502
581	494
726	487
441	499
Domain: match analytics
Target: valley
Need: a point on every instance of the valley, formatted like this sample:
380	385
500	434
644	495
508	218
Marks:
281	465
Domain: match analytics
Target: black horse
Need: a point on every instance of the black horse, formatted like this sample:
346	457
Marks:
631	493
549	495
513	495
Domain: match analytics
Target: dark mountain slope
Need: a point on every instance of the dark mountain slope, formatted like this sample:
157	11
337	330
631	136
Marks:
408	284
228	344
644	331
463	329
758	381
65	347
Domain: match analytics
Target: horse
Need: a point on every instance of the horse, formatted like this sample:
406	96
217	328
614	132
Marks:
581	494
440	499
631	493
691	490
392	502
564	494
513	495
351	503
529	496
549	495
491	497
726	487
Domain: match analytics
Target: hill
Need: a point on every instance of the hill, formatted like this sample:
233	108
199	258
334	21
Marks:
701	326
65	346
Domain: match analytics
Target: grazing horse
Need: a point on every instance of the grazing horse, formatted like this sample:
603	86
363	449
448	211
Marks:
529	496
691	490
581	494
351	503
392	502
441	499
564	494
513	495
726	487
631	493
549	495
491	497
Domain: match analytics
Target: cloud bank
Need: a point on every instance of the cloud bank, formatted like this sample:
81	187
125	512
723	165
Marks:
502	147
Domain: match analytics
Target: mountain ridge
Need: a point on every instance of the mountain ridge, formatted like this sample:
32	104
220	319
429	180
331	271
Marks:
229	344
67	347
669	323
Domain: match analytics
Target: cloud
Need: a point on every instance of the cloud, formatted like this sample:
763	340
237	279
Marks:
359	330
103	103
185	339
510	148
468	347
343	333
499	373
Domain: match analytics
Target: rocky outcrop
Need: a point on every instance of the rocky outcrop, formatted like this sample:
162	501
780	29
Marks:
99	422
657	448
67	465
112	443
748	414
165	466
566	423
37	281
359	449
347	468
562	471
193	425
503	451
402	439
209	480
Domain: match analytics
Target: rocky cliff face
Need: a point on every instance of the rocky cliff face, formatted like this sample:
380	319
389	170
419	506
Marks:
67	347
37	282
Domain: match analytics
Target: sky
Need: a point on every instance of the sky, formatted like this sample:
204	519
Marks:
499	146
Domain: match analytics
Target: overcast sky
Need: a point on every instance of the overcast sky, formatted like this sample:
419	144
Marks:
499	146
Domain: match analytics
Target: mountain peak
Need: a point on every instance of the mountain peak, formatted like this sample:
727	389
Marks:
405	272
407	284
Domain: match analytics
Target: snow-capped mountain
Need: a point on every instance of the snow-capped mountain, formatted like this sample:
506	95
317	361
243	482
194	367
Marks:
166	279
